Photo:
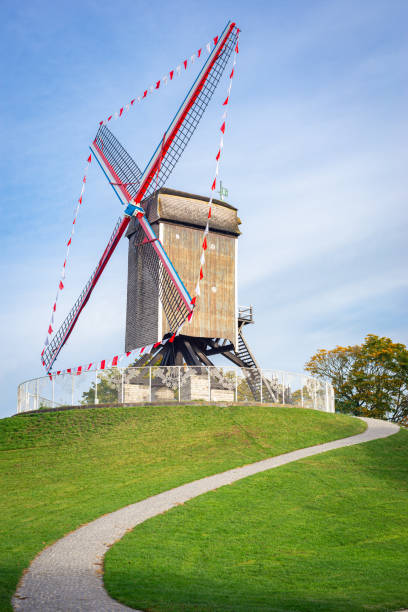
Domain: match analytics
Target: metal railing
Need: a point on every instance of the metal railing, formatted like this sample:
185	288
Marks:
178	384
245	313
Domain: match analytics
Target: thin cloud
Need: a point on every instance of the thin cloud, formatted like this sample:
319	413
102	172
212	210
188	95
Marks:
315	160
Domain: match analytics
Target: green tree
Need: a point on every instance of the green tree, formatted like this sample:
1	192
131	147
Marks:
108	389
370	379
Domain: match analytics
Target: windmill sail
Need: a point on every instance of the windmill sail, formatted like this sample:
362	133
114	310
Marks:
176	137
64	331
127	182
187	118
124	176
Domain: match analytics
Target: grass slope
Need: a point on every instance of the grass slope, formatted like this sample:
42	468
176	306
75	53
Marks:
328	533
60	470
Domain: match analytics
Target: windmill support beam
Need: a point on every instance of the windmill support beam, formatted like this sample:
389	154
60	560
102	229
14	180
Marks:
204	358
220	349
195	352
191	356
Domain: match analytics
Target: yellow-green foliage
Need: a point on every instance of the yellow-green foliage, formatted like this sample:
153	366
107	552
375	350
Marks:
370	379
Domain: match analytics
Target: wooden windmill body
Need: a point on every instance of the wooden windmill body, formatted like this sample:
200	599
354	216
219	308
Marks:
216	327
178	220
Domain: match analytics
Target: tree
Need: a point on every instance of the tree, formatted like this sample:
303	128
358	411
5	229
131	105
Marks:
370	379
108	389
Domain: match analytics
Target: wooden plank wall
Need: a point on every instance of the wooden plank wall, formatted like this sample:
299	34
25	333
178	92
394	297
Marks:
215	315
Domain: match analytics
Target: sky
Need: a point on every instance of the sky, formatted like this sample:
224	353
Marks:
315	159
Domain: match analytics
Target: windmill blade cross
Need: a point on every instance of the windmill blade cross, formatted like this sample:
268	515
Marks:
132	186
111	168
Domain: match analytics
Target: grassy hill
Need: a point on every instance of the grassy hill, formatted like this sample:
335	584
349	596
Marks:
328	533
60	470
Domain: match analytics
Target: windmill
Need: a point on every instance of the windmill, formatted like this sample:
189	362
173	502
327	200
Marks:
158	300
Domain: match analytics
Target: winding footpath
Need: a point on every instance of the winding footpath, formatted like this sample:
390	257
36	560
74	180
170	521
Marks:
67	576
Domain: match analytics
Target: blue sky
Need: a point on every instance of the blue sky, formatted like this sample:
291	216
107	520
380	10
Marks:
315	160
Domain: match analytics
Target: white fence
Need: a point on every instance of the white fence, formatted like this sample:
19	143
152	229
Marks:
179	384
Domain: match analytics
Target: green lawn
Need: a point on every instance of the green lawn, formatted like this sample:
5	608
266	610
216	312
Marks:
328	533
60	470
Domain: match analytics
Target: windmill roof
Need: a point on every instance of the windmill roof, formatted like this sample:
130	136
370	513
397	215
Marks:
192	196
181	207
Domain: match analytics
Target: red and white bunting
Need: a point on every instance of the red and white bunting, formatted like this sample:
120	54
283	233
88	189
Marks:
216	172
64	266
101	365
182	67
114	361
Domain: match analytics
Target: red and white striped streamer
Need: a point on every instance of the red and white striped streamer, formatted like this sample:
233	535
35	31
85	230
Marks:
64	266
215	179
115	361
170	76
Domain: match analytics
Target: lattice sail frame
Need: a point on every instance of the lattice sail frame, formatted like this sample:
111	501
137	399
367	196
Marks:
118	160
188	117
174	308
61	336
125	177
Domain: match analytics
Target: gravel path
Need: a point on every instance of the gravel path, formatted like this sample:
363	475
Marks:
67	576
